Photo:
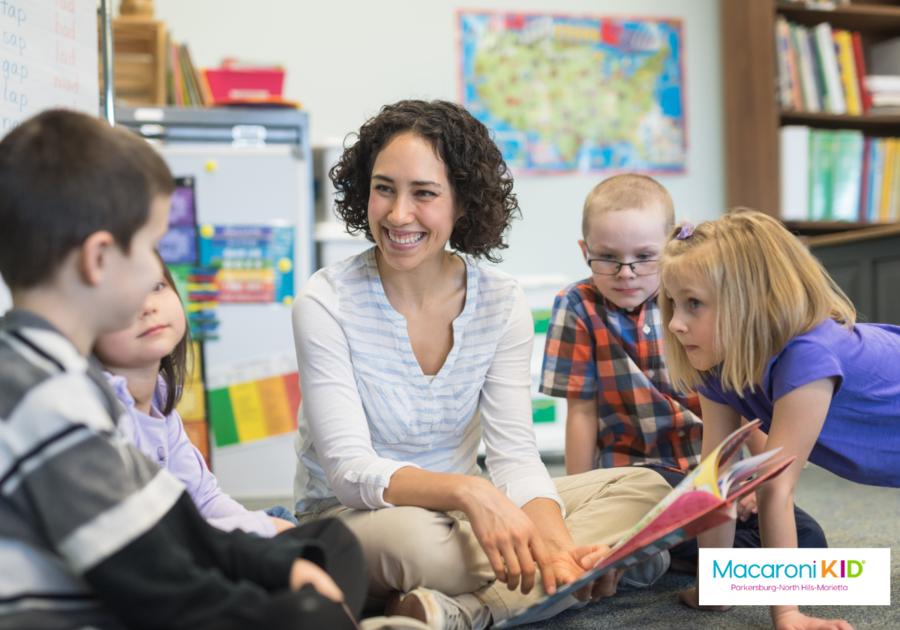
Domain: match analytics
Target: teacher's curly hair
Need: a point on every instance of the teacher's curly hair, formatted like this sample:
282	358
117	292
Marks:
482	185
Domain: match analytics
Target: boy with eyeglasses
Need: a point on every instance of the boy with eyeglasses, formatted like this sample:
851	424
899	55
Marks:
604	355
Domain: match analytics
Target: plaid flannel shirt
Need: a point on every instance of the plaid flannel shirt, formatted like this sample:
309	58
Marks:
597	351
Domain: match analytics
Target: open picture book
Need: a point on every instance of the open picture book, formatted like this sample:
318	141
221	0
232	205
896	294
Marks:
706	498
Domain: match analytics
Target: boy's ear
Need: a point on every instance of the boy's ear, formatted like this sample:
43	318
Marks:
583	247
93	259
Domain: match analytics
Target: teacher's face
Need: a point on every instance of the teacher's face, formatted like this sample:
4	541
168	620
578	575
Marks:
411	211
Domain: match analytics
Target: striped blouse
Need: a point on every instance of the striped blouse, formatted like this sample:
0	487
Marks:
368	410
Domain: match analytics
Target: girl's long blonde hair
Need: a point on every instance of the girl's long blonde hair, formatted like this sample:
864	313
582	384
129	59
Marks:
768	287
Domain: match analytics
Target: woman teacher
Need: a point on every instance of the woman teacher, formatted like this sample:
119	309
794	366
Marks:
409	354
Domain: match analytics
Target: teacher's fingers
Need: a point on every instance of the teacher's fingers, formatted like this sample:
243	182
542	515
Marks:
496	561
526	562
545	564
513	568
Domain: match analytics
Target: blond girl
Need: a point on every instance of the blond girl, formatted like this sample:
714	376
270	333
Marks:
754	323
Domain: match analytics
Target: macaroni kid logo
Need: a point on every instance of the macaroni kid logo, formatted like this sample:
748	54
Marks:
795	576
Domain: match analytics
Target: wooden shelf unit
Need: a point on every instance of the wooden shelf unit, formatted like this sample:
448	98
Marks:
752	113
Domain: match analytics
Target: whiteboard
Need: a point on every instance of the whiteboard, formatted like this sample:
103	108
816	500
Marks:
48	58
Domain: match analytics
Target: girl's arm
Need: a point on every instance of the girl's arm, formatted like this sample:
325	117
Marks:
214	505
581	435
797	420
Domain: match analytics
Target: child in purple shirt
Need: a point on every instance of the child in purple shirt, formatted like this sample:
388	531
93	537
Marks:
754	323
145	366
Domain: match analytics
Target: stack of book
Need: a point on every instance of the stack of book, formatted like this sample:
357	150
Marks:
187	87
820	69
839	175
885	91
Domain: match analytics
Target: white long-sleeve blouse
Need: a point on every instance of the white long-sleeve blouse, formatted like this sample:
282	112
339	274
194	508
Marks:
368	410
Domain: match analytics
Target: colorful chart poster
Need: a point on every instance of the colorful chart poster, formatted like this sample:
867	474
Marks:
575	93
254	399
255	262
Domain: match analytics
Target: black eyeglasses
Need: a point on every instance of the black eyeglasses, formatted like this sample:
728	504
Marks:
604	267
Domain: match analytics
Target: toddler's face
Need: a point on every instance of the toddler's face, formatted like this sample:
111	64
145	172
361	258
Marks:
625	236
694	310
159	327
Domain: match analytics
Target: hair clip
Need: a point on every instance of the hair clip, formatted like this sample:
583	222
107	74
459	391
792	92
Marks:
687	228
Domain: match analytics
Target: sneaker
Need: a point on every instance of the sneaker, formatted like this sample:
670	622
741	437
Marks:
441	612
392	623
645	572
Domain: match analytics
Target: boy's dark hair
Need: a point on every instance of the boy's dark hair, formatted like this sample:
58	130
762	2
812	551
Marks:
481	183
64	176
173	367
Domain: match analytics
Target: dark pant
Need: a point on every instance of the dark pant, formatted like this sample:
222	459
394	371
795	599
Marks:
746	533
344	562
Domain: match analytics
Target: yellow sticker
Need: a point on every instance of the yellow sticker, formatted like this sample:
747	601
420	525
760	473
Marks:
287	300
207	231
285	265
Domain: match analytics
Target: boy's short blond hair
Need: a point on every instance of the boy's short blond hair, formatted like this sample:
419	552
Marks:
627	192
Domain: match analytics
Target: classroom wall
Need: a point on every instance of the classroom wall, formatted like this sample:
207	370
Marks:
346	59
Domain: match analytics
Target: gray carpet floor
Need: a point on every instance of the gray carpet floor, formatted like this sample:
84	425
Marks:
852	515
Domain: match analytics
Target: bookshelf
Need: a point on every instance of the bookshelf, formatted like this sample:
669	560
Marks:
752	114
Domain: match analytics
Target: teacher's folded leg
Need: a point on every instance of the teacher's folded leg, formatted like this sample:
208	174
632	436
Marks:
601	506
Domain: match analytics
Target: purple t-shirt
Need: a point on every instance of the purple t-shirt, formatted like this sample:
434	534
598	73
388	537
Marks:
860	439
163	440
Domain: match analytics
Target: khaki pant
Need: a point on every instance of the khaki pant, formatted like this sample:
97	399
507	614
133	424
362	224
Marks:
408	547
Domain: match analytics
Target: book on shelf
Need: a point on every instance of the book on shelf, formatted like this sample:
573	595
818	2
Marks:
820	69
186	85
834	91
706	498
821	169
838	175
847	175
794	153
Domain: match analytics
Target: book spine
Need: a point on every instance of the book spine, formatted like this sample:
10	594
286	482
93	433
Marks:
817	78
831	74
893	213
811	70
794	68
821	160
864	187
176	76
847	175
876	180
849	79
864	94
785	95
794	148
887	183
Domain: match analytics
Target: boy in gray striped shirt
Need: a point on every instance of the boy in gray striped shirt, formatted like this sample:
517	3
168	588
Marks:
92	533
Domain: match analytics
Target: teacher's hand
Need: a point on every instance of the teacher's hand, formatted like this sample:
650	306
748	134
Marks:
508	537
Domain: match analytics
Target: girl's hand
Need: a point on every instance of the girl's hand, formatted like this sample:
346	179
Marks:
747	506
571	565
305	572
795	620
281	525
508	537
691	597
